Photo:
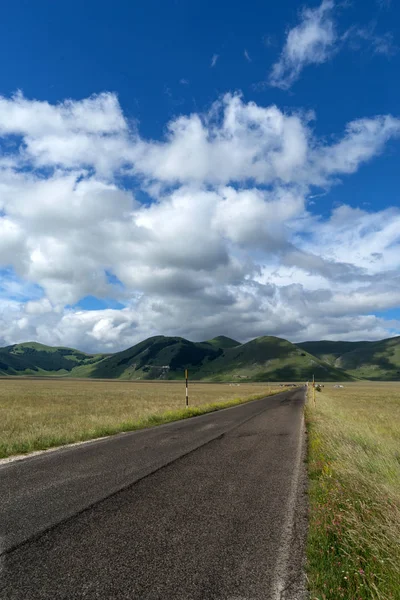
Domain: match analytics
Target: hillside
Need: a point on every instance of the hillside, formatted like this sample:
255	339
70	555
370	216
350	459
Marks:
221	341
375	361
268	359
11	365
362	360
158	357
32	358
329	351
218	359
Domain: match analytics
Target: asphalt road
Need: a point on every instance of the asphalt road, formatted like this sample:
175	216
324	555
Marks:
208	508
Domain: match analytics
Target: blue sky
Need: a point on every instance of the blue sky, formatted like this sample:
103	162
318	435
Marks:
144	50
265	245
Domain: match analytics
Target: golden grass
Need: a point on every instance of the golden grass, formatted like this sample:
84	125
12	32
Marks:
39	414
354	468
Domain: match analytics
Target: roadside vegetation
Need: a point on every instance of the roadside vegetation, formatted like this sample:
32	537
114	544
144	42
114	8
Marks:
40	414
354	470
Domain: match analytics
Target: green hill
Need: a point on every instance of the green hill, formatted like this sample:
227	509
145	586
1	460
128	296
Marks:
221	341
219	359
32	358
329	351
375	361
362	360
158	357
268	359
11	365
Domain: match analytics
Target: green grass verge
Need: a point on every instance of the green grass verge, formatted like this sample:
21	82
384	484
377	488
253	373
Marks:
354	469
152	420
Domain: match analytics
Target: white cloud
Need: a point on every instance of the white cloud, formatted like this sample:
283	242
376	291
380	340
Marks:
226	246
214	60
268	40
99	114
370	239
247	56
363	139
310	42
235	142
379	43
256	219
315	40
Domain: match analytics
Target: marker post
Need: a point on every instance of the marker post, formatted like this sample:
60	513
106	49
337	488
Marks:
187	388
313	388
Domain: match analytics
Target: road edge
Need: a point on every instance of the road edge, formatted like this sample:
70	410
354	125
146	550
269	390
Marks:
142	424
4	549
290	570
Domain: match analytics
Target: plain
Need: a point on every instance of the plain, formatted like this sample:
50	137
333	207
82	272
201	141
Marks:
36	414
354	470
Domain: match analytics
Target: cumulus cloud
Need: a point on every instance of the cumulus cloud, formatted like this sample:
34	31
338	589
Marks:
236	142
233	142
312	41
226	244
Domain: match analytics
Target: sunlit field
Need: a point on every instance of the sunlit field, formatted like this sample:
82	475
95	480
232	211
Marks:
354	467
39	414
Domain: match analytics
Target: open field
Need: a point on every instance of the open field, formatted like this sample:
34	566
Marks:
39	414
354	468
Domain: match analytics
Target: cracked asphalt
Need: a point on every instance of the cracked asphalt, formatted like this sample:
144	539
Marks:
213	507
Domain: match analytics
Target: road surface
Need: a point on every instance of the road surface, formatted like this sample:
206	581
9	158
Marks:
211	507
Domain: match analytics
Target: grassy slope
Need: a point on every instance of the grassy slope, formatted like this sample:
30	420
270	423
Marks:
160	357
378	360
32	358
221	359
11	365
148	359
353	545
221	341
268	358
363	360
329	351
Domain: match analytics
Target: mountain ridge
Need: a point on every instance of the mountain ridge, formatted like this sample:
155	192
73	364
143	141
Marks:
266	358
374	361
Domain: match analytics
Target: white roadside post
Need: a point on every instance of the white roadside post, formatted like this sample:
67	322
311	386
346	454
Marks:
187	389
313	385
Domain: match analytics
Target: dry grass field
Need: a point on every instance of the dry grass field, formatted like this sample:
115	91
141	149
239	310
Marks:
354	468
39	414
